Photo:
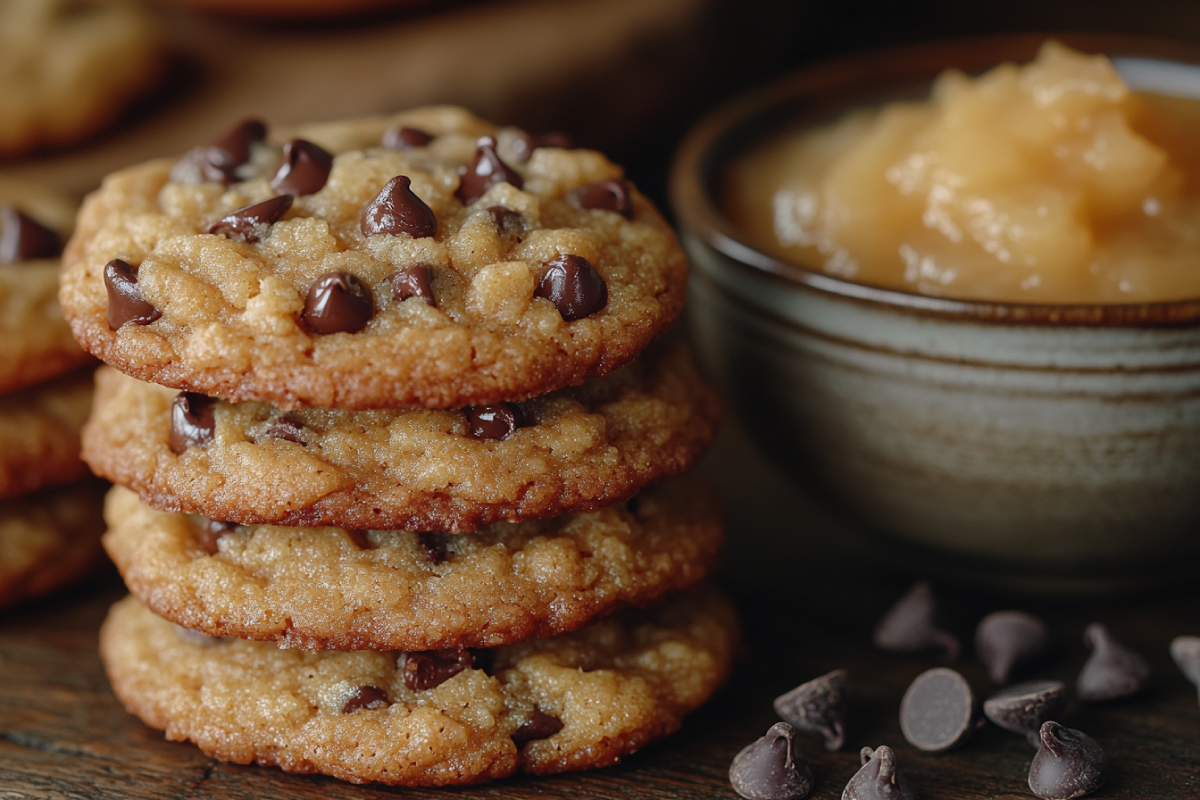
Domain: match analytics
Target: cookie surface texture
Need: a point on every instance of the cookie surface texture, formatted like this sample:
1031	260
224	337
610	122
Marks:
332	588
613	687
578	449
69	67
258	320
39	433
48	539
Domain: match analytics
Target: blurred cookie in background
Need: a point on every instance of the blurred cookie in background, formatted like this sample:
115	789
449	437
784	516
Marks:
291	10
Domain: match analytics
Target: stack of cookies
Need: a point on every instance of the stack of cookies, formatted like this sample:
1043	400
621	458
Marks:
394	447
50	523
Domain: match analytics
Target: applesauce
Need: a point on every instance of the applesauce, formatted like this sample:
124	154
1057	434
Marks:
1051	182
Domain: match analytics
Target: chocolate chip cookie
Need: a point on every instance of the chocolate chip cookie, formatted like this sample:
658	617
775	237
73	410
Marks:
444	470
347	589
427	258
575	701
39	433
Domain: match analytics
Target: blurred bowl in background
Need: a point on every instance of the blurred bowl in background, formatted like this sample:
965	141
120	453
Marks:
1037	447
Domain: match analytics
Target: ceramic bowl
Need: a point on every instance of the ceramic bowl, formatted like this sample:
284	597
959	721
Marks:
1056	443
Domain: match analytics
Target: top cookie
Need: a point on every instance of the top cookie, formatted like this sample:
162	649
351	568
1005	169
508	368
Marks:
389	279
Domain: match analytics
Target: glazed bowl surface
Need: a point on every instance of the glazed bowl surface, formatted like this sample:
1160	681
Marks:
1029	445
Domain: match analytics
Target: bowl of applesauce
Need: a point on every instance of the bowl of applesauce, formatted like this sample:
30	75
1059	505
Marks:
955	289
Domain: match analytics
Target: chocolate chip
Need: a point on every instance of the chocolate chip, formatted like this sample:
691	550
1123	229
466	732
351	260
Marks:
485	171
360	539
508	222
609	195
497	421
192	421
1068	764
415	281
878	779
910	625
1112	670
539	726
252	223
125	301
574	286
771	768
303	170
289	430
338	302
218	162
1186	652
1006	640
234	146
402	137
818	706
524	145
23	239
209	533
938	710
397	210
433	668
1023	708
365	697
434	547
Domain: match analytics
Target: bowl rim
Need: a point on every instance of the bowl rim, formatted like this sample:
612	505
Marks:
696	160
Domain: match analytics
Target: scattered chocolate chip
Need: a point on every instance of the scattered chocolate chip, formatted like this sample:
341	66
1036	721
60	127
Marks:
574	286
609	195
1068	764
938	710
771	768
338	302
290	430
209	533
910	626
508	222
24	239
497	421
218	162
397	210
402	137
192	421
1006	640
304	169
878	779
434	547
539	726
1186	652
252	223
125	301
524	145
818	706
1112	670
1023	708
433	668
365	697
415	281
485	171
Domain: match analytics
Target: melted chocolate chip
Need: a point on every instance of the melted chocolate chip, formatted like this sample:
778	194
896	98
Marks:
1112	670
771	768
818	706
574	286
397	210
878	779
508	222
303	169
289	430
1185	650
485	171
402	137
192	421
218	162
338	302
209	533
433	668
23	239
1068	764
910	625
434	547
938	710
125	301
1006	640
365	697
252	223
415	281
1023	708
526	143
539	726
497	421
609	195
